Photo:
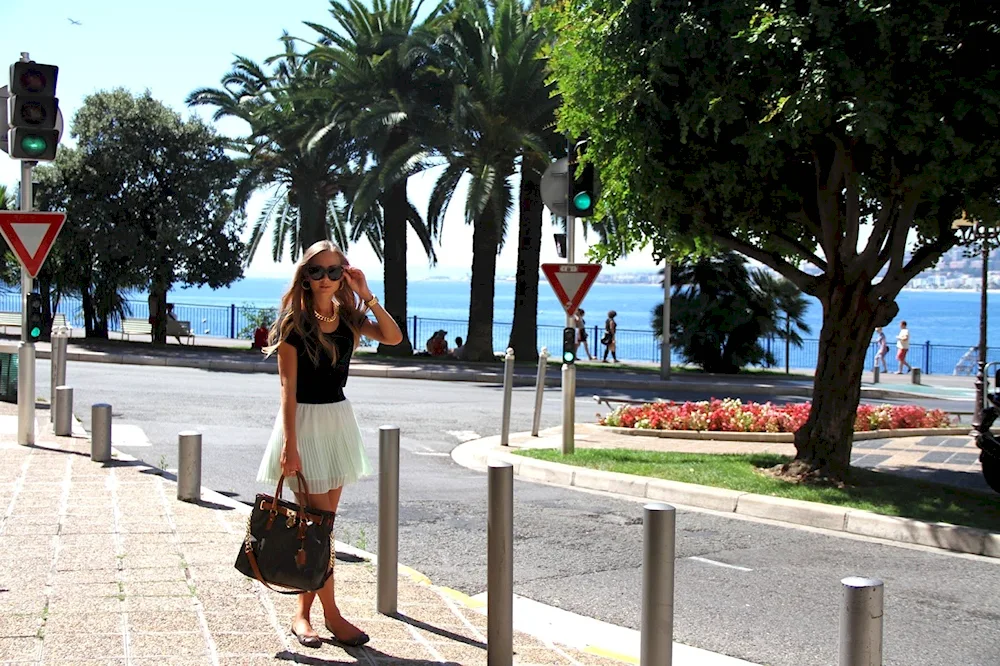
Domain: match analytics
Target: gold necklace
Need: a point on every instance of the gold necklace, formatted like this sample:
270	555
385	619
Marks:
328	319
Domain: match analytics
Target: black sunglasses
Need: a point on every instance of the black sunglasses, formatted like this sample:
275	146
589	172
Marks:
316	272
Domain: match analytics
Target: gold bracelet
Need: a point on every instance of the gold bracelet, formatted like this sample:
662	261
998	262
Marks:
373	302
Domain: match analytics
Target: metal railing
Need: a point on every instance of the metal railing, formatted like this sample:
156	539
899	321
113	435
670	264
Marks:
228	321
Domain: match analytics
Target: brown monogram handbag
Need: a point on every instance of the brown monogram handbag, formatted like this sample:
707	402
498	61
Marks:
287	545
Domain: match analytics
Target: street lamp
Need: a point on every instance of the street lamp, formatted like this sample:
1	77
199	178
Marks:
975	232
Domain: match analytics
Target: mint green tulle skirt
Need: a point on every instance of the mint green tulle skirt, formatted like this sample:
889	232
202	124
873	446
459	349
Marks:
329	444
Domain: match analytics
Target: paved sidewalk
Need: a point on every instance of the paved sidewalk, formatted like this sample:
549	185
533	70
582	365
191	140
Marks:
101	564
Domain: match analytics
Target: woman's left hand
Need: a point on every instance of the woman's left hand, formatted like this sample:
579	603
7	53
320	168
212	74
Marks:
357	281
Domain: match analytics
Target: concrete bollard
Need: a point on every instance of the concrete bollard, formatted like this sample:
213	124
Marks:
543	362
875	374
915	375
861	622
508	388
189	466
57	367
64	411
656	636
388	519
569	409
100	432
500	565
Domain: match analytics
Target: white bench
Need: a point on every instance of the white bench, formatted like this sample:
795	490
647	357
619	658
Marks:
14	319
136	327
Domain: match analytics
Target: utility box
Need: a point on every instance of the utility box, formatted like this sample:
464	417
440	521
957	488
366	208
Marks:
8	377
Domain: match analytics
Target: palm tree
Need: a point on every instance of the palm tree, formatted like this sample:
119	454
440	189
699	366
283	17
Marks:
308	172
385	87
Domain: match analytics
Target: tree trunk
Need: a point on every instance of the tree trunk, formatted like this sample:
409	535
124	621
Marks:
394	209
823	444
158	298
524	332
89	313
312	214
479	346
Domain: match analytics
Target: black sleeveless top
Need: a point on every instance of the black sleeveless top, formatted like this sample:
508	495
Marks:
323	383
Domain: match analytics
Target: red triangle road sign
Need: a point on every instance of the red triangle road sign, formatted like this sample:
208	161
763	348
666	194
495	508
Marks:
31	236
571	282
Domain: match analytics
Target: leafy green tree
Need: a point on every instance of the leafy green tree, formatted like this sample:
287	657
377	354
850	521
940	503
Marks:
256	317
149	205
386	88
721	310
822	133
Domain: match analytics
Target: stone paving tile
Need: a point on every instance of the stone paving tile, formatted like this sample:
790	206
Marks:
20	649
154	621
250	619
964	459
97	623
143	644
19	625
62	647
158	589
158	604
936	457
237	644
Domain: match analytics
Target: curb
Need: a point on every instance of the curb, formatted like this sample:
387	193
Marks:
778	437
481	376
957	538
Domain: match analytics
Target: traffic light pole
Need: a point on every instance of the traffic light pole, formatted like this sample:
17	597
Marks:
569	369
26	350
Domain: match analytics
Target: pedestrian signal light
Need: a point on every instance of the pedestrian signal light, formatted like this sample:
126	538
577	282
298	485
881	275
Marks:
569	345
35	322
584	186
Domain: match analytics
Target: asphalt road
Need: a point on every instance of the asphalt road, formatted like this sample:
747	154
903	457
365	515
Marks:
777	601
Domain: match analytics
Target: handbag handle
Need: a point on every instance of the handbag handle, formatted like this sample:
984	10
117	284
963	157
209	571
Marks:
302	484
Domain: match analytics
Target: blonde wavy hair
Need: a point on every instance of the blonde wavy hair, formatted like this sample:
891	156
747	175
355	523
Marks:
297	307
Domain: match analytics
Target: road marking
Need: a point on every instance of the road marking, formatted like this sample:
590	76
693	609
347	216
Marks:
464	435
431	453
719	564
123	434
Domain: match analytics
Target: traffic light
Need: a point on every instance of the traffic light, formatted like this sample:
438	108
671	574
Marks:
33	109
584	187
35	320
569	345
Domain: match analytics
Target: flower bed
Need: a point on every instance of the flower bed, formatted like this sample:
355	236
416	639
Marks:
731	415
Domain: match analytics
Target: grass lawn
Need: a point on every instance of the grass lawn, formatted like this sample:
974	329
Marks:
879	492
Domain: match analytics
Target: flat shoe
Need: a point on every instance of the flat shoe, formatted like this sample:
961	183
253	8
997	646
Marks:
307	641
357	641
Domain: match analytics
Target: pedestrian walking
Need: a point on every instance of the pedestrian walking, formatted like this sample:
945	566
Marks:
881	349
902	347
322	317
610	332
581	333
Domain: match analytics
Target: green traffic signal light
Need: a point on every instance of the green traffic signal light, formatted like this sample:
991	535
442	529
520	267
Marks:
583	201
34	145
36	332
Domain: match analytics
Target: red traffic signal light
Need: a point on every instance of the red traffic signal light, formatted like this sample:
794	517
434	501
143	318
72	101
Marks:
30	78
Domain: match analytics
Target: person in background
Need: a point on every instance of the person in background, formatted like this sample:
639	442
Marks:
581	333
259	337
610	331
459	350
881	349
902	347
437	344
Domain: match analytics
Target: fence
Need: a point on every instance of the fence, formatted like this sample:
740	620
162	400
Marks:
227	321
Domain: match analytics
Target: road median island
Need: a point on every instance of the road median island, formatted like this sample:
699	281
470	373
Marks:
747	479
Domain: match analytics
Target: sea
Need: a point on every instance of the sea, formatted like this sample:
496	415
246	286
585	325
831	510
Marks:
941	317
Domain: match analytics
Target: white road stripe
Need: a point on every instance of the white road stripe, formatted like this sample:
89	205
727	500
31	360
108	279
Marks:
718	564
432	453
464	435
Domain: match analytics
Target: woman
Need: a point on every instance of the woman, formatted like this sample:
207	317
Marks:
323	316
610	329
881	349
581	333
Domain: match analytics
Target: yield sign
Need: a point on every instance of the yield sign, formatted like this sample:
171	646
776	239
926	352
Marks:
571	282
30	235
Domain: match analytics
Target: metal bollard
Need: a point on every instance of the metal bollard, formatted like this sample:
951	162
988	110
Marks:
64	411
189	466
508	387
57	367
659	523
875	373
543	362
25	393
569	409
915	375
861	622
388	518
100	432
500	566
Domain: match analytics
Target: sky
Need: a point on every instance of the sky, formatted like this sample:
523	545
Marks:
176	47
